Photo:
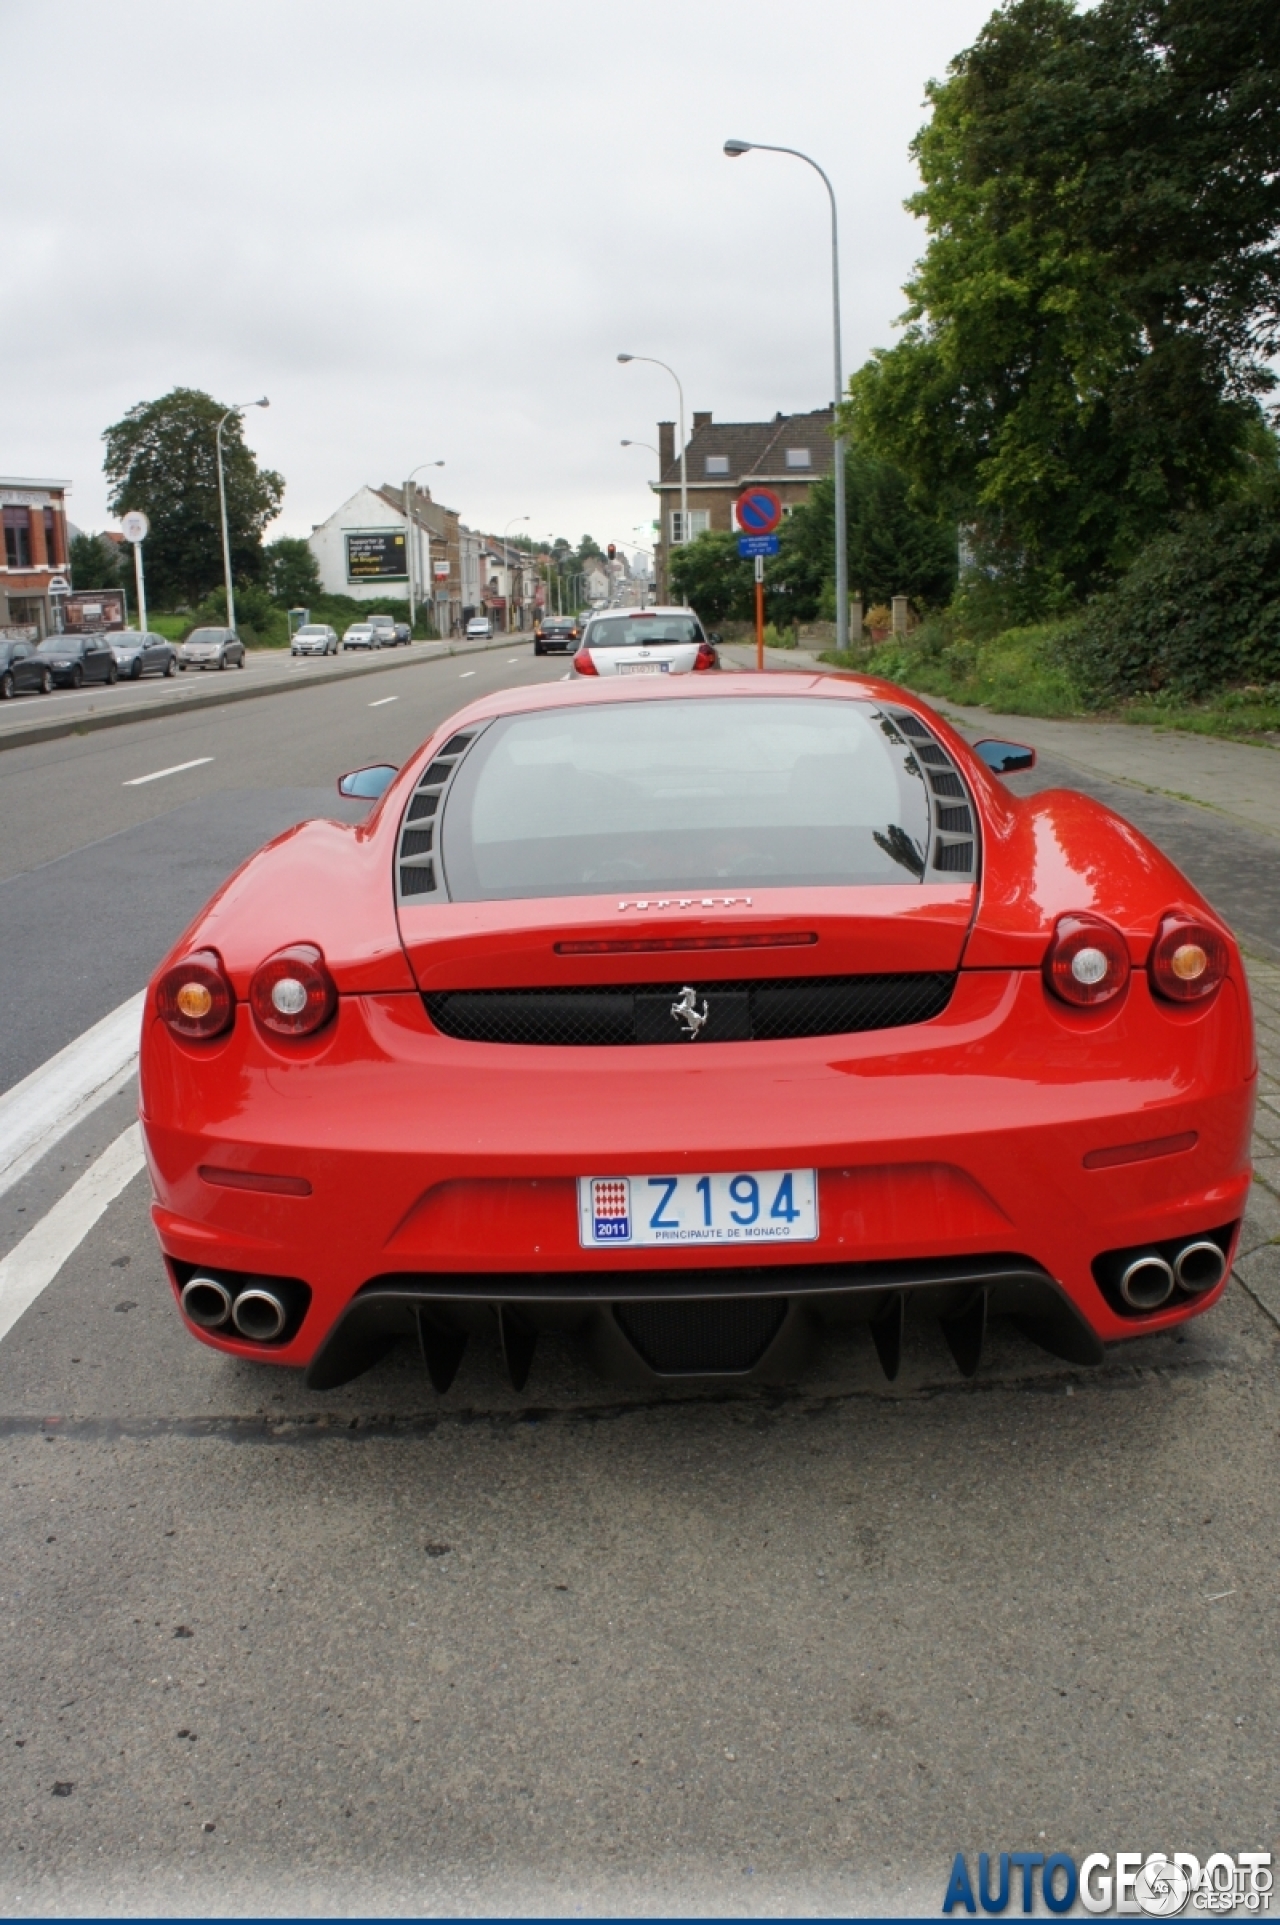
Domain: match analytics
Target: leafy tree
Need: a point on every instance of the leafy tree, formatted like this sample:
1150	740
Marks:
161	458
94	562
894	549
293	574
1089	328
712	577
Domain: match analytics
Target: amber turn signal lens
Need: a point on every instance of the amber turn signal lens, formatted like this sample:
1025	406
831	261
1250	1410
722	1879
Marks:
292	992
1087	962
194	998
1188	959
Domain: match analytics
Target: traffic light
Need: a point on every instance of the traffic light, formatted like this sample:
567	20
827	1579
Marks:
613	551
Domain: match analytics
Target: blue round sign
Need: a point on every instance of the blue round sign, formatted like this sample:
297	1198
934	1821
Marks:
759	511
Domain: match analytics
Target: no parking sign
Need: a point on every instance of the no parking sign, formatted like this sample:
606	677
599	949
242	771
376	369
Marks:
758	510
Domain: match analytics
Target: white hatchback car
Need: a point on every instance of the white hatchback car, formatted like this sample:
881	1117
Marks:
316	638
362	635
645	641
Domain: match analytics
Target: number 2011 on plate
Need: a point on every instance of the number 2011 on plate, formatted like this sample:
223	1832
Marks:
722	1206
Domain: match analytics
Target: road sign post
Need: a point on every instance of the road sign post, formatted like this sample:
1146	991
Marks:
135	528
757	512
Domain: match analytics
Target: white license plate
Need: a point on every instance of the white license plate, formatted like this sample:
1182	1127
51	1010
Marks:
727	1206
642	668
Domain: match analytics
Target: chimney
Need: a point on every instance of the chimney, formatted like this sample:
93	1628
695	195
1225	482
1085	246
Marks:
701	421
666	445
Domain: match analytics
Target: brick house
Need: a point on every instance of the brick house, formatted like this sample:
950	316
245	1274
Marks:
788	454
35	549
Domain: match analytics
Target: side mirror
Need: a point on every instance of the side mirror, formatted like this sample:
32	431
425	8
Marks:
366	785
1006	758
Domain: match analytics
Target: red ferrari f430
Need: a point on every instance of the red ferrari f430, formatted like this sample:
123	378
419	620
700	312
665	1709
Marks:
701	1018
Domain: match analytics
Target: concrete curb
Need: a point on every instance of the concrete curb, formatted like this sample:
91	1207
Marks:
218	695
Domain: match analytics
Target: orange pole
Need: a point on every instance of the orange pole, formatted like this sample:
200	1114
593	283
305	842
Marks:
759	623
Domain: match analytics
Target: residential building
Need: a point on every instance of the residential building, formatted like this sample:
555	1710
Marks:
787	454
365	547
508	583
35	551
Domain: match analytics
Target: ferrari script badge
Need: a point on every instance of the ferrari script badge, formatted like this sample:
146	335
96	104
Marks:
686	1011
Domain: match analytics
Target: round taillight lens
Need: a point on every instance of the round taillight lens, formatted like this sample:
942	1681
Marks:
1087	962
194	998
292	992
1188	960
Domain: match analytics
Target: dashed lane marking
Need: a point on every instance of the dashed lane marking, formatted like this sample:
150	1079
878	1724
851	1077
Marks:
33	1264
40	1110
465	673
382	701
157	775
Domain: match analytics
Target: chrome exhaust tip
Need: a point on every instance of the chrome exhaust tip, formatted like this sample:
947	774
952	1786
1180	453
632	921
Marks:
1199	1266
1146	1283
259	1314
206	1301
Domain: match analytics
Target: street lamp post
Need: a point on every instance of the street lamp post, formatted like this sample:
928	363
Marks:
410	527
684	479
222	504
735	148
507	563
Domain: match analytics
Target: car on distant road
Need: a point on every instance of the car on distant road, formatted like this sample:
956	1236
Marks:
386	627
316	638
362	635
22	671
211	648
479	629
138	655
556	634
404	634
73	660
645	641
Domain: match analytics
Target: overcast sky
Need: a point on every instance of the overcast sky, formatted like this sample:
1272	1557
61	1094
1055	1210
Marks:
426	230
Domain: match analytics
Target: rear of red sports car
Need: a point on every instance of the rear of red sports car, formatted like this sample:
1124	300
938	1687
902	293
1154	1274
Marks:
699	1020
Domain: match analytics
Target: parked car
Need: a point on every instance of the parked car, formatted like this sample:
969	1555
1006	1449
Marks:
22	671
556	634
404	634
73	660
479	629
211	648
386	627
138	655
362	635
316	638
645	641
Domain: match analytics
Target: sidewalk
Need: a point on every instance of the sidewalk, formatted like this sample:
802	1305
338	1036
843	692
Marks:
1234	779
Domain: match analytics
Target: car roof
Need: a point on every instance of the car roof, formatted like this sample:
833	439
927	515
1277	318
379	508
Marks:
666	608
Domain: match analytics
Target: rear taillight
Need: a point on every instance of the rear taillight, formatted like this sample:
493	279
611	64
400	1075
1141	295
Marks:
705	657
1087	962
194	998
292	992
583	663
1188	959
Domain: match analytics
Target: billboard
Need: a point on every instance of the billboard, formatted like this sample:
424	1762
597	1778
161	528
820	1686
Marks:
377	555
93	611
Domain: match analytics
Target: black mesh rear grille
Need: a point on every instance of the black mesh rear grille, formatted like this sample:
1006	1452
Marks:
735	1011
954	855
702	1339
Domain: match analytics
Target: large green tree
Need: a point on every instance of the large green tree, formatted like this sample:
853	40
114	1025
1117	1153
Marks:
161	458
293	574
894	549
94	562
1090	326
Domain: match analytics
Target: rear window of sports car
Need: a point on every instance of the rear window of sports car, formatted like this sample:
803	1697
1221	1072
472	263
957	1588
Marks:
642	796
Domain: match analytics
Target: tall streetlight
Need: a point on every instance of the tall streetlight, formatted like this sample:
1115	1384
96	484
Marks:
642	444
506	563
684	479
222	504
410	526
734	148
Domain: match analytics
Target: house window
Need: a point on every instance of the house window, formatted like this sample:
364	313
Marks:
699	523
17	538
798	458
717	464
51	538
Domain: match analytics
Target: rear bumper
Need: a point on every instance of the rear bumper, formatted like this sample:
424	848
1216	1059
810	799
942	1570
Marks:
443	1173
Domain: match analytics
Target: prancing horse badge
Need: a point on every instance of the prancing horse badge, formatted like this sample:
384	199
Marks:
686	1011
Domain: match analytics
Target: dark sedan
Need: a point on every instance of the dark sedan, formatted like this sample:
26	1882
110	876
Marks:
21	670
73	660
556	632
138	655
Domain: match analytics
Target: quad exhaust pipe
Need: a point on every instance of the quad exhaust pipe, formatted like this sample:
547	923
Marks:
1148	1280
259	1312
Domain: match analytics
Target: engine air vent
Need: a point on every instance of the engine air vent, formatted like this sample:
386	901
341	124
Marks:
417	865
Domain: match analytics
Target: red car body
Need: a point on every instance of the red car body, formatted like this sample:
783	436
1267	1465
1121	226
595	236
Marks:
388	1180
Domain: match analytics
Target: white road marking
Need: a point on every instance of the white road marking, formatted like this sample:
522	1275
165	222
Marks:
38	1112
382	701
33	1264
513	658
465	673
136	781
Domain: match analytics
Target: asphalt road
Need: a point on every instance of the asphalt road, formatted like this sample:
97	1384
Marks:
739	1652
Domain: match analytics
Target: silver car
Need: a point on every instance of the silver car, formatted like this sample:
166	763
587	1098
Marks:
211	648
316	638
138	655
645	641
362	635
